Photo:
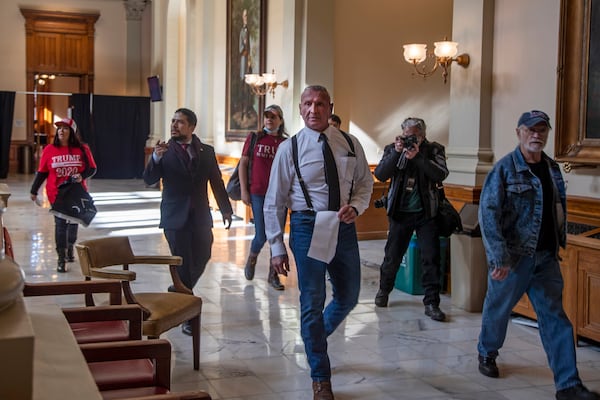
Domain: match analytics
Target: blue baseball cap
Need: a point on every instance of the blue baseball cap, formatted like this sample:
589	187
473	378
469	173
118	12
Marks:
534	117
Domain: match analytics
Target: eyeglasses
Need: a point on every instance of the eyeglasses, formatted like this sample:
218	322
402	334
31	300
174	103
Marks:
540	130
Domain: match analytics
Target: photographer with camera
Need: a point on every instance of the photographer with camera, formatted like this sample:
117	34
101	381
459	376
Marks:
416	167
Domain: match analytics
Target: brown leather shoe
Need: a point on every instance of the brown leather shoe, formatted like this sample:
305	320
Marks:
250	265
273	279
322	390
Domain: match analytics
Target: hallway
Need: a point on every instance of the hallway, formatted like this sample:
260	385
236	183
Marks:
251	347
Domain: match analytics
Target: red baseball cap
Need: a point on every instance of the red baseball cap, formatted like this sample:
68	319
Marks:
68	122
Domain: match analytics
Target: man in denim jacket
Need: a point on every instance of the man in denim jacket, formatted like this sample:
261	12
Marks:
522	217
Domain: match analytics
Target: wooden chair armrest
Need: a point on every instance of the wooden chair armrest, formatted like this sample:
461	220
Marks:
177	283
126	350
130	299
107	273
112	287
155	349
132	313
171	260
188	395
123	312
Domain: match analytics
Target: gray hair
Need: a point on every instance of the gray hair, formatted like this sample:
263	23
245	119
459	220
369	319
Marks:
412	121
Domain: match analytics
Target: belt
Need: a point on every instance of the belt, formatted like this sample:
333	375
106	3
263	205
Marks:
305	212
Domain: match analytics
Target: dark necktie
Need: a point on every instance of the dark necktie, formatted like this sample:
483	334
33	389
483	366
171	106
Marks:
188	159
331	175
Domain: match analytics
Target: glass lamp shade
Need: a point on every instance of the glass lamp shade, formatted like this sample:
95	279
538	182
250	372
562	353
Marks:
415	52
251	79
446	49
269	78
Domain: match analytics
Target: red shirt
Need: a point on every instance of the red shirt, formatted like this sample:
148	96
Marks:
264	152
60	162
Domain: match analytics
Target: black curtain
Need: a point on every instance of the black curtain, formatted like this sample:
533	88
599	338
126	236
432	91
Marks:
80	104
7	109
116	131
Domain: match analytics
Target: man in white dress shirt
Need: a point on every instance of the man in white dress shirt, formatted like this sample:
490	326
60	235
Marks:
334	222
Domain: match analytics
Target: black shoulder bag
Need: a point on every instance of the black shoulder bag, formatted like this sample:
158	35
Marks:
448	219
233	185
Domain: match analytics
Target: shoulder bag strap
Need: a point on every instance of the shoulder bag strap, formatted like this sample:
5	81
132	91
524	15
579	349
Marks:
302	184
351	144
253	141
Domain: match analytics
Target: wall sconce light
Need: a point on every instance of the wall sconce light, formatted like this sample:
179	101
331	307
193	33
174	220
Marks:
265	83
445	52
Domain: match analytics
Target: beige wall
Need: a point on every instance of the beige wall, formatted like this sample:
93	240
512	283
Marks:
375	89
525	64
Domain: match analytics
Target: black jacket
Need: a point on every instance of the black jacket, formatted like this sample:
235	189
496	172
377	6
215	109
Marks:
186	186
428	166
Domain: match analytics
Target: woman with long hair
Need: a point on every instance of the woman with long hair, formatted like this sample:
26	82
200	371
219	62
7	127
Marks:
67	158
254	170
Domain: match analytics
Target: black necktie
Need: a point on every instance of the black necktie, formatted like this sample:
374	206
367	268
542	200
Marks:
188	158
331	175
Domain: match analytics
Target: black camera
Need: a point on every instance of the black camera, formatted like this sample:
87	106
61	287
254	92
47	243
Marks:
408	142
381	202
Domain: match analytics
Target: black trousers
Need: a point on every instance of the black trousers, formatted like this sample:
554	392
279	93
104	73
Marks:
65	234
194	244
399	236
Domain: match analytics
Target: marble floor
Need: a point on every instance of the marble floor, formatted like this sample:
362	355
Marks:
251	346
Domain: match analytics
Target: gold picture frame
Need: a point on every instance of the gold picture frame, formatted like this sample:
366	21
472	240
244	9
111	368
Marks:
246	49
577	134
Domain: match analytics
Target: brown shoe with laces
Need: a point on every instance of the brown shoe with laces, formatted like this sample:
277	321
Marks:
250	266
322	390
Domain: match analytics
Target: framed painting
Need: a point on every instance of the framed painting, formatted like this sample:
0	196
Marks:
246	42
577	135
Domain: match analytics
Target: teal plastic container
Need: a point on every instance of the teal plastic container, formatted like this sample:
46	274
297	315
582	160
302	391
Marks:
409	274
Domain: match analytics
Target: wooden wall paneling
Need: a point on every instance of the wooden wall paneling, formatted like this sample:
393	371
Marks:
588	315
59	43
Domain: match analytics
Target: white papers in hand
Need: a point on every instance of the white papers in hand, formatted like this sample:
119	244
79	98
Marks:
325	236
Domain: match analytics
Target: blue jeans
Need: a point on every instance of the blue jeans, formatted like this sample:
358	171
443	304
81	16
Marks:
260	237
538	276
344	273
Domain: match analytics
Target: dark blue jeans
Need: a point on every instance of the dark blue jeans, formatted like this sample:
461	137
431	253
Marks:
260	237
540	278
399	236
344	273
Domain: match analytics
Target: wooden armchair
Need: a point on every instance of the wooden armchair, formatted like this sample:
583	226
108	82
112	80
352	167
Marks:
162	310
94	324
134	370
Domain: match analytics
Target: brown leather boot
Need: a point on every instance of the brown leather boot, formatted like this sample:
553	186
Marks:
250	266
322	390
273	279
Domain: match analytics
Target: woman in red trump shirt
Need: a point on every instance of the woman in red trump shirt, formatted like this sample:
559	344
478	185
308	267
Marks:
66	158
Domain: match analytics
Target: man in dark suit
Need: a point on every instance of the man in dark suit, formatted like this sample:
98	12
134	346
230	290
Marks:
186	166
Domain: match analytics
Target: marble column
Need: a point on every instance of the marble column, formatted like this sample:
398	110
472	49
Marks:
134	83
469	152
469	149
